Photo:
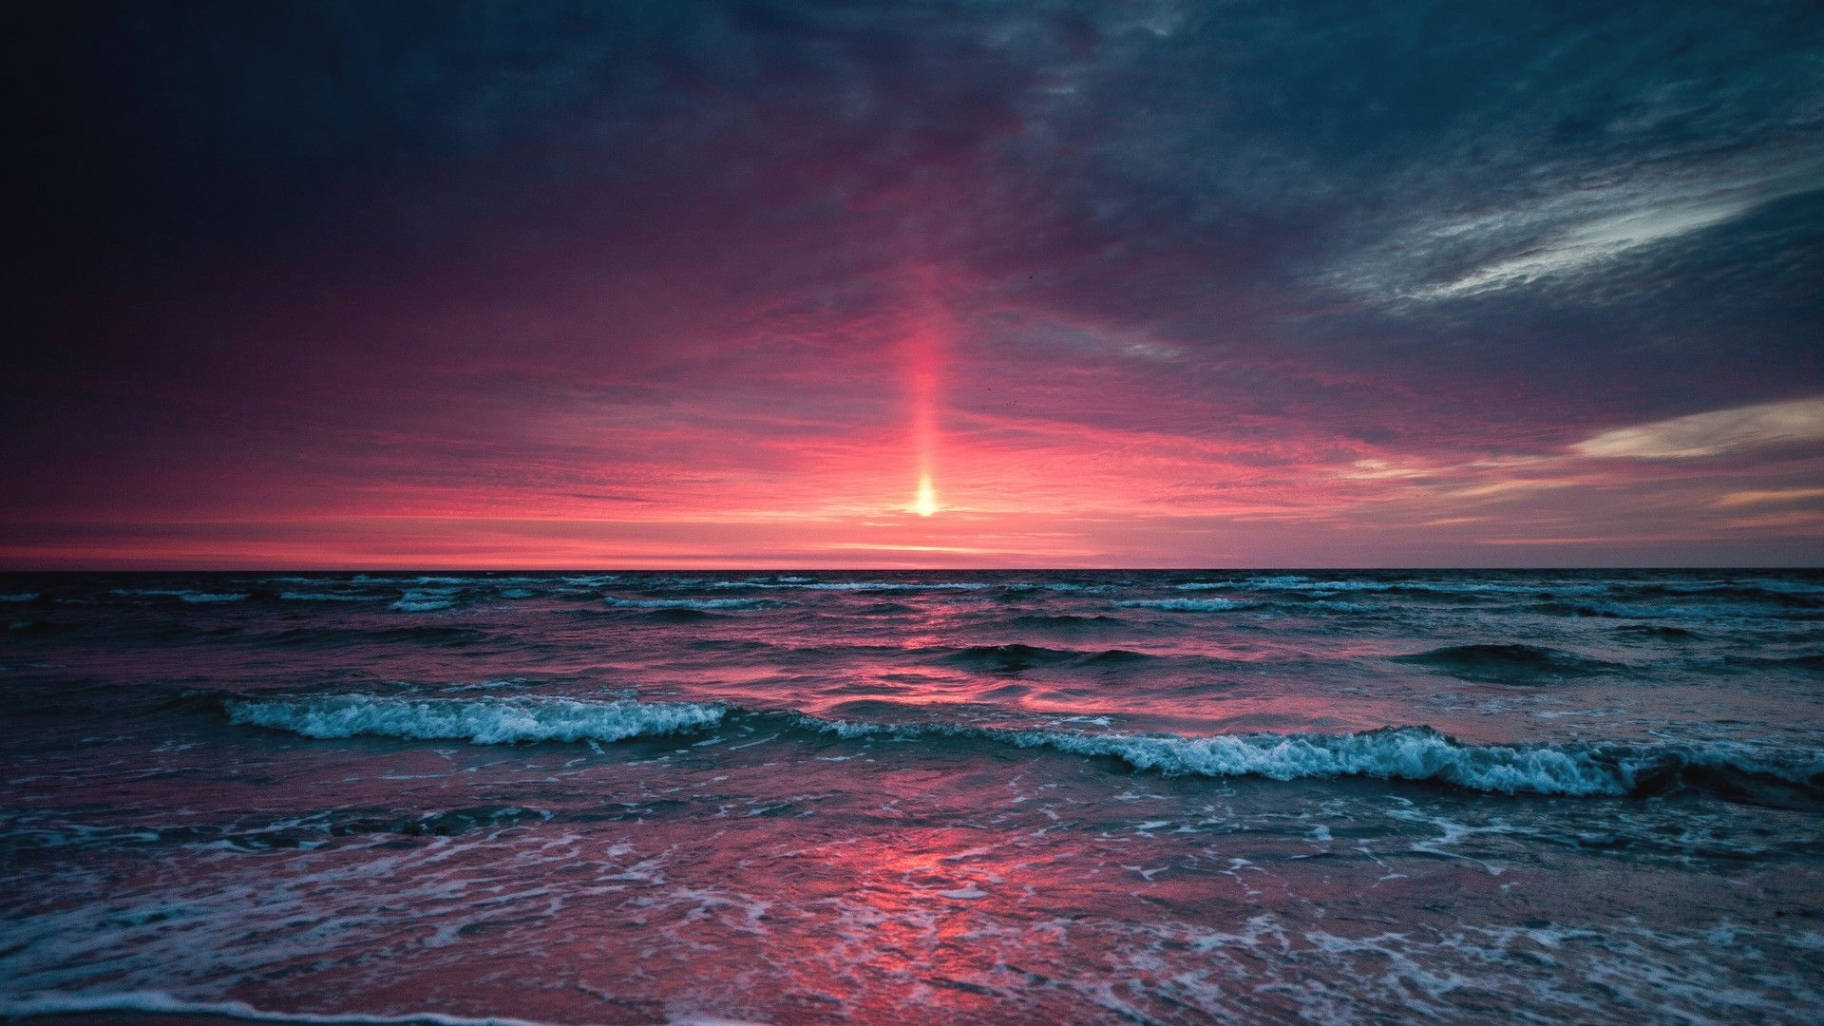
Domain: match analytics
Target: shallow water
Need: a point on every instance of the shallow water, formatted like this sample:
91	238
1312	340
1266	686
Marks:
938	797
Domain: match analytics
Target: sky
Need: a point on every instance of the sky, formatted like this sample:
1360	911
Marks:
909	284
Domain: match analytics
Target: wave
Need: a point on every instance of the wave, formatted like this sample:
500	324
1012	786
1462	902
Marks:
429	634
700	605
488	721
1420	754
1810	661
425	600
1412	587
421	605
1411	753
814	584
40	628
886	586
1646	609
1791	595
304	831
1662	632
192	597
1177	605
1509	664
1016	657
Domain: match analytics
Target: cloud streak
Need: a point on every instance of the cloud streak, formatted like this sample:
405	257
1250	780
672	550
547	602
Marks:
1764	425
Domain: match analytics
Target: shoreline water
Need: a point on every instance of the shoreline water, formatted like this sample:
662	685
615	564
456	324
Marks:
818	798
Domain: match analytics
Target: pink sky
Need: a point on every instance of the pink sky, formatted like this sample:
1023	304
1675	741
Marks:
1146	287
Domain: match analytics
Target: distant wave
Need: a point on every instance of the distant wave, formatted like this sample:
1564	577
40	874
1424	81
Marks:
429	634
689	603
885	585
1810	661
1401	586
1701	612
483	721
1508	664
421	605
812	584
192	597
1761	593
1180	605
1065	622
1654	631
425	600
1016	657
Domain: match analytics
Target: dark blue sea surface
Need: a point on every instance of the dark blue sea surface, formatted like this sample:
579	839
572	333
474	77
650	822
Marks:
936	797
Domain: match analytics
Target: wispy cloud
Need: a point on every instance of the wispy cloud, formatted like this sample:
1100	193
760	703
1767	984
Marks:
1713	433
1591	242
1583	223
1769	497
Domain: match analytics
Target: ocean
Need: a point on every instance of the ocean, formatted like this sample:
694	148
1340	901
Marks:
933	797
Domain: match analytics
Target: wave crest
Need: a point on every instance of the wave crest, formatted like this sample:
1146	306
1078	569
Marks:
483	721
1404	753
1420	754
1182	605
1411	753
688	603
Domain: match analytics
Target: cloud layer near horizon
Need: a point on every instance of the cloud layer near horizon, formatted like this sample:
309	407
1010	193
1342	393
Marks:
1150	283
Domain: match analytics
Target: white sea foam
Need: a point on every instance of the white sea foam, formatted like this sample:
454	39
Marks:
1404	753
194	597
161	1003
488	685
327	596
1184	605
482	720
424	600
686	603
1297	582
812	584
24	596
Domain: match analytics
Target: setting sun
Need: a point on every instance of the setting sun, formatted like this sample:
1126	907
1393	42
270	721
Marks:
926	503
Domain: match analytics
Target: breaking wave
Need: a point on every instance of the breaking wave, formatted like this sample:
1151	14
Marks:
689	603
488	721
1419	754
195	598
1178	605
1411	753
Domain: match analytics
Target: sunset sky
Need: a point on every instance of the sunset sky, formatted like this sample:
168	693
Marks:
913	284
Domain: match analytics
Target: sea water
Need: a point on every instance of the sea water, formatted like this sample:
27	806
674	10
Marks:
1011	797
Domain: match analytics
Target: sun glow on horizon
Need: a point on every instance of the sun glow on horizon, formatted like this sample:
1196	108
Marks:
926	503
926	339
